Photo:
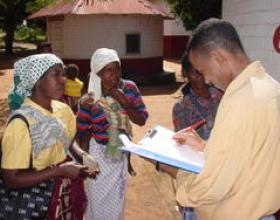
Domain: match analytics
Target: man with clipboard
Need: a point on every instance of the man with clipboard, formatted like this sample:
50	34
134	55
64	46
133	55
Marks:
240	178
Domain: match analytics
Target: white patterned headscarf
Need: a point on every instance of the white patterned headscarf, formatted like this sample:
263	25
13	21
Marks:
99	60
27	72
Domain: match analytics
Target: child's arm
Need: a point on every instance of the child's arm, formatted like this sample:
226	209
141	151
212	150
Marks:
84	122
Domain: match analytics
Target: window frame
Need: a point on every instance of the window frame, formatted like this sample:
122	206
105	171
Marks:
138	34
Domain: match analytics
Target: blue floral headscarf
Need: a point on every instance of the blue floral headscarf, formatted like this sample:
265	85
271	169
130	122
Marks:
27	72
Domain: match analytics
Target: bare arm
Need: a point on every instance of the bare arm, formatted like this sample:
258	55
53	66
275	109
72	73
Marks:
19	178
172	171
83	141
190	137
79	147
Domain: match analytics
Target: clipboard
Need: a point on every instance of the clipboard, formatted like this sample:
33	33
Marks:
157	144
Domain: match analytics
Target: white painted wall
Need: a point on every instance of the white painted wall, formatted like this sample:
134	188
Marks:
255	21
172	27
175	28
55	35
82	35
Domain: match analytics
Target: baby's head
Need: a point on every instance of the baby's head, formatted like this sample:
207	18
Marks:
72	71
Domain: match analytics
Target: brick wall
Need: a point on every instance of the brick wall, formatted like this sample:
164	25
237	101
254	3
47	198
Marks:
256	21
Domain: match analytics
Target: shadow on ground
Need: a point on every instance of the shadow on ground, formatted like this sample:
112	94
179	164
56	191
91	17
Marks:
7	61
167	89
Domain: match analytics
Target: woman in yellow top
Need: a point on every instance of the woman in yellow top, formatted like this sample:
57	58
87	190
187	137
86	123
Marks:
34	151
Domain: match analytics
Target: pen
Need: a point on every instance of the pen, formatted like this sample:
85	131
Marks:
197	124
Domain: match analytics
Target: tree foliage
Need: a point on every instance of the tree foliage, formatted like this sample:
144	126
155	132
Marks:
192	12
12	13
33	6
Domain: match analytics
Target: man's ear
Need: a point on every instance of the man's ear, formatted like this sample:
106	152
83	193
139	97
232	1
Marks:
218	56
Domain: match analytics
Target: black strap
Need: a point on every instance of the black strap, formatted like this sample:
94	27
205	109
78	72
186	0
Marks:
27	125
21	117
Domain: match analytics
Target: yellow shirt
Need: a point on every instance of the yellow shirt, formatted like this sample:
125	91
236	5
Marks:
16	143
73	87
241	176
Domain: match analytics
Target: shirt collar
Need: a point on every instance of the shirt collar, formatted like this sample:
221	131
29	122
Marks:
254	69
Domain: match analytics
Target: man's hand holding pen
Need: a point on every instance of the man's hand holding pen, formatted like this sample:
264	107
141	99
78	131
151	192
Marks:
190	137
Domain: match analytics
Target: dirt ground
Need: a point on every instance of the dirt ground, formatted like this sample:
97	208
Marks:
150	195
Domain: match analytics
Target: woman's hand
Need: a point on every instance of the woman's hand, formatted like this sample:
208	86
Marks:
93	167
71	170
87	99
189	137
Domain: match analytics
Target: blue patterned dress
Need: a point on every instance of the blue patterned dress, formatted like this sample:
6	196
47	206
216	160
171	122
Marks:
191	108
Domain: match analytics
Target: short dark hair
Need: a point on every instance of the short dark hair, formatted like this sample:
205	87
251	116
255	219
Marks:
72	70
185	62
43	45
215	33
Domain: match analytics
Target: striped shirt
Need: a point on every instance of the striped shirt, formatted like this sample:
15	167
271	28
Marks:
94	120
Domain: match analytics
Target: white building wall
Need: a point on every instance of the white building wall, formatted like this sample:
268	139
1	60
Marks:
172	27
82	35
256	21
55	35
175	28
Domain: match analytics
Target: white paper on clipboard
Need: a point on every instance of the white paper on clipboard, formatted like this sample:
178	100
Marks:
158	144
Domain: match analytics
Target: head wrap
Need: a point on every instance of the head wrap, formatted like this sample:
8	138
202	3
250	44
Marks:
99	60
27	72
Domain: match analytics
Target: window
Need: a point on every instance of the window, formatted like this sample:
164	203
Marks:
133	43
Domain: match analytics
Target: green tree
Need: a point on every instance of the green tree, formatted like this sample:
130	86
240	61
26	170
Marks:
36	5
192	12
12	13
